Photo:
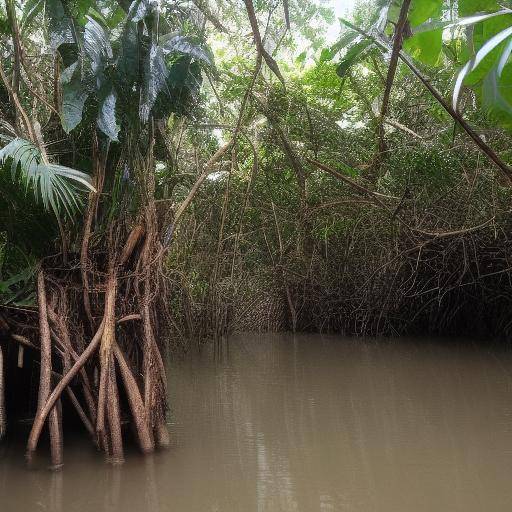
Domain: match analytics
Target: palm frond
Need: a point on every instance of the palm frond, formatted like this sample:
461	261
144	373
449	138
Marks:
58	187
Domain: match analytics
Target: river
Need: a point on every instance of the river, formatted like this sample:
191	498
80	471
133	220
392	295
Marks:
304	423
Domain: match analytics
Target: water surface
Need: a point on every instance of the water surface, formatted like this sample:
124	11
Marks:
306	423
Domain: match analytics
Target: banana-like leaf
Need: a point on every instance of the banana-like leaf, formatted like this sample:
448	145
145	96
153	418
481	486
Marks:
74	95
489	45
97	50
57	186
422	10
140	9
492	96
504	58
107	115
354	53
347	39
462	22
187	46
60	26
155	77
31	9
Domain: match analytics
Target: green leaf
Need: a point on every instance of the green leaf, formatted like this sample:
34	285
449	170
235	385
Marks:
187	46
31	9
97	50
116	17
55	185
140	9
353	55
74	96
345	41
155	75
470	7
485	50
326	54
96	16
60	26
462	22
426	46
107	115
422	10
479	36
301	58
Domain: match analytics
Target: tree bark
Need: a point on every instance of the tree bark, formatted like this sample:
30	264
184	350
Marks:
46	374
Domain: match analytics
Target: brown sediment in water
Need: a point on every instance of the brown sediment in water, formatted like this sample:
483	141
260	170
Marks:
289	423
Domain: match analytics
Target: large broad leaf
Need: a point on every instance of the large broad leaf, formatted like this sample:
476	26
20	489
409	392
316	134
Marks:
188	46
97	50
500	99
426	46
155	76
128	60
182	89
490	52
471	7
353	55
140	9
60	26
492	95
422	10
58	187
74	95
31	9
462	22
107	113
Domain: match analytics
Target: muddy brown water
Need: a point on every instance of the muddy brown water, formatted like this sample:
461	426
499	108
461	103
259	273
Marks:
305	423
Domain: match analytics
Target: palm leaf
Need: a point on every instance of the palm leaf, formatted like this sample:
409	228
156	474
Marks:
56	186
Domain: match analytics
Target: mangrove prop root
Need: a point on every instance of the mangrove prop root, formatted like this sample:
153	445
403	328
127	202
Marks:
81	414
103	353
42	414
55	423
60	325
133	238
46	373
138	411
113	413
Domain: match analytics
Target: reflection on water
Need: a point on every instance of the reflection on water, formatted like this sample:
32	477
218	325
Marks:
306	423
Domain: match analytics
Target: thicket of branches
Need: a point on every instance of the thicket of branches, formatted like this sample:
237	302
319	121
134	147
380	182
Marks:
369	196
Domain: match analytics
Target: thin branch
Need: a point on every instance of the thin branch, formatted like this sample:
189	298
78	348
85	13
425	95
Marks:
397	46
271	63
